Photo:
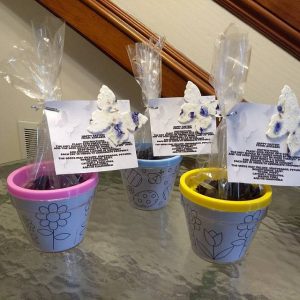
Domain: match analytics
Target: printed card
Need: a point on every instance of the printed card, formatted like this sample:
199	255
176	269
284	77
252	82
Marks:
252	156
177	131
75	149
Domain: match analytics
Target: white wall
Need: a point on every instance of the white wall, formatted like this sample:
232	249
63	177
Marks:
192	27
85	68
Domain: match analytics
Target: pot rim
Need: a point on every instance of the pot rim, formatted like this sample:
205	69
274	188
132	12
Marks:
219	204
160	163
16	177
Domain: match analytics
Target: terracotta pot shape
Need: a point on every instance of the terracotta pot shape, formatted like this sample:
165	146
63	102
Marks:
149	186
55	220
220	230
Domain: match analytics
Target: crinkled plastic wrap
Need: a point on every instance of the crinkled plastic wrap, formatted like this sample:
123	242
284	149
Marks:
145	60
230	67
34	68
228	77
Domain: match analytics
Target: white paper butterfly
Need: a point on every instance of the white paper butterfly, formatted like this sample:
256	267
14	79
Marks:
287	120
196	110
107	119
107	99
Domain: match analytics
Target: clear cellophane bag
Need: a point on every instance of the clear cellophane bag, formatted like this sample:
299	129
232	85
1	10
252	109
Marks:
34	69
145	59
228	77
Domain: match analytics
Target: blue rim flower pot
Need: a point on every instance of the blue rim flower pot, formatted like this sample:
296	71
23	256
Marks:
220	230
55	220
149	186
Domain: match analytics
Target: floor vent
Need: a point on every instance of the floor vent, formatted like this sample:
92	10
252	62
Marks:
28	138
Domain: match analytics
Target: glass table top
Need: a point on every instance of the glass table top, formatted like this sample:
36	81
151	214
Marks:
134	254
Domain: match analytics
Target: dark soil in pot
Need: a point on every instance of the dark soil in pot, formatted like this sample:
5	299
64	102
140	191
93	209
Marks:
45	182
148	154
233	190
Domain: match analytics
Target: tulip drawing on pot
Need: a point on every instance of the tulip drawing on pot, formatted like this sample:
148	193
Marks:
220	230
213	240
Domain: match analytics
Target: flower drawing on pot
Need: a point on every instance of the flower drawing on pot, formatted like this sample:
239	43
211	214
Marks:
195	220
173	170
154	178
109	120
197	111
213	238
249	225
130	189
213	242
86	213
166	193
31	228
51	218
87	208
246	230
286	122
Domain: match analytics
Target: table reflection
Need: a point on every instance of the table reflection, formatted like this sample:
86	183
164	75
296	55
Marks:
133	254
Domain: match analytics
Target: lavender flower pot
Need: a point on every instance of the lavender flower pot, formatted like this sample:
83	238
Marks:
220	230
55	220
149	186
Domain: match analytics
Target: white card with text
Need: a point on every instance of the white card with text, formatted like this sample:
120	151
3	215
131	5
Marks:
252	157
170	137
75	149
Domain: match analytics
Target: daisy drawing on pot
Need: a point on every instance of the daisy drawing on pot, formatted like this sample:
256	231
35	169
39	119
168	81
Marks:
51	218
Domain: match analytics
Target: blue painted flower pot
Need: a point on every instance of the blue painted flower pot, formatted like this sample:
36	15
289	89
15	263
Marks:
149	186
55	220
220	230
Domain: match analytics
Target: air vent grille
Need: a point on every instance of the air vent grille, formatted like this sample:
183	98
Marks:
30	142
28	138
